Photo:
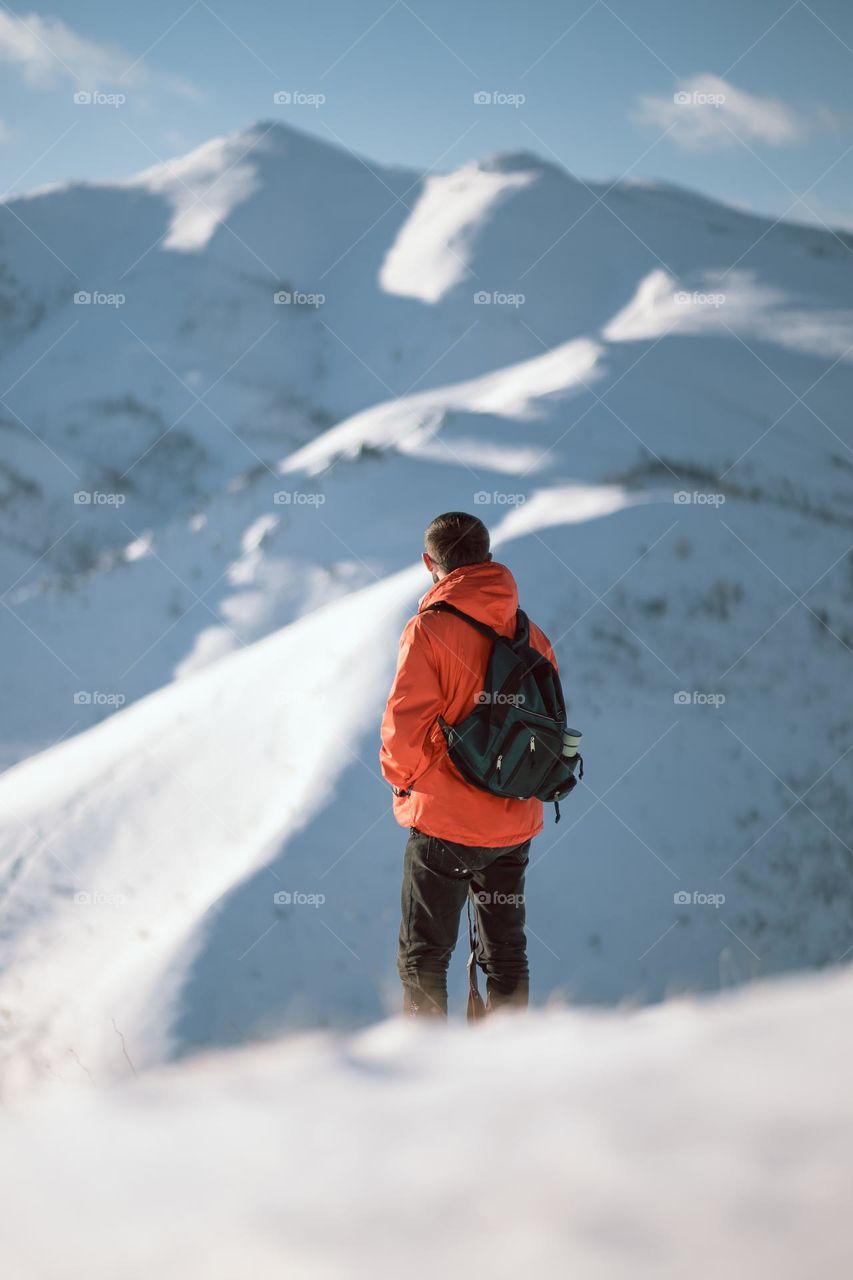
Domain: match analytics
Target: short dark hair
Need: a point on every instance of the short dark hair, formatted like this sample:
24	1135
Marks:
455	539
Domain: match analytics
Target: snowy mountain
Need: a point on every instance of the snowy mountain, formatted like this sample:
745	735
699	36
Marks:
643	393
171	407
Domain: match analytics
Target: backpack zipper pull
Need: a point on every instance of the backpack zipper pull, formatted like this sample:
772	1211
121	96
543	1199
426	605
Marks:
500	761
532	743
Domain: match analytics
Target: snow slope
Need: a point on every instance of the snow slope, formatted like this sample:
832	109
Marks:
699	1140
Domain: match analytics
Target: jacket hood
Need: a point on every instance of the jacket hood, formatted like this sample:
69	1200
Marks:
486	591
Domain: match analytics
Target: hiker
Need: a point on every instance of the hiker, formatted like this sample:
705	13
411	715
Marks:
465	839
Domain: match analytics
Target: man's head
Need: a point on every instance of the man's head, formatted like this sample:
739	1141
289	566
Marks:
453	540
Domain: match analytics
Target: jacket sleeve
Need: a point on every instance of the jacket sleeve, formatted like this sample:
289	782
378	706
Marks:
415	700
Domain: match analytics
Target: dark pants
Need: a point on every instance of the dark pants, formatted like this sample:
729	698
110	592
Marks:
438	876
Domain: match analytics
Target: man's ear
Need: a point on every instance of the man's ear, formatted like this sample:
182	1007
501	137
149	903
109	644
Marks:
489	556
427	561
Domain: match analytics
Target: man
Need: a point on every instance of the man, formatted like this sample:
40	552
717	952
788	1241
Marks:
461	838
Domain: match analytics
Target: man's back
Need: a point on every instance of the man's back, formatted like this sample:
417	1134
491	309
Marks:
440	671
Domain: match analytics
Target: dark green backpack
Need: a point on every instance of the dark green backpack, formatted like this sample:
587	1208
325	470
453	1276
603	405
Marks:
512	742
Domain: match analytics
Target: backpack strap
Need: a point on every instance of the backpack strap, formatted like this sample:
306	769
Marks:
522	627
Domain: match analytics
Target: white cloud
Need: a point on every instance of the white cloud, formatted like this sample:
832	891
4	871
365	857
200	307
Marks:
47	51
707	111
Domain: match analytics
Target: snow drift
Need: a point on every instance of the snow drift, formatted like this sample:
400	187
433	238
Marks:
704	1139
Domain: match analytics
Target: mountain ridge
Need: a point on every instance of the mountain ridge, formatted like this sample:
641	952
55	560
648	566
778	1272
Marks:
650	414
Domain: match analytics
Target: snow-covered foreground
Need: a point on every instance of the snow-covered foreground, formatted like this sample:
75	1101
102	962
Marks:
695	1140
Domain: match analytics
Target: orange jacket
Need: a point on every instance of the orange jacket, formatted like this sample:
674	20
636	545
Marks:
441	668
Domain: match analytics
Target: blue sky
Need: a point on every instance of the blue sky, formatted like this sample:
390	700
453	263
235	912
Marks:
765	112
